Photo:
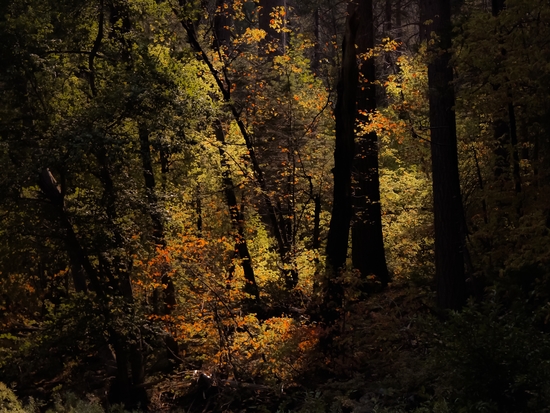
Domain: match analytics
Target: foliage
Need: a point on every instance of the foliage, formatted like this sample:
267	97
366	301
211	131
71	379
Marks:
405	171
124	112
493	359
8	401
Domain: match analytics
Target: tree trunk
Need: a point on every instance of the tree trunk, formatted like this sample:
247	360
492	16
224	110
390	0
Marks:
316	244
502	142
131	392
116	264
515	152
387	18
398	23
497	6
316	64
506	133
78	258
168	290
368	253
169	295
123	389
344	113
448	210
223	35
237	218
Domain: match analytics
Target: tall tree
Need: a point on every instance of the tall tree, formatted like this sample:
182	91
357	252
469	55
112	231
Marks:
222	38
344	152
224	81
368	253
448	209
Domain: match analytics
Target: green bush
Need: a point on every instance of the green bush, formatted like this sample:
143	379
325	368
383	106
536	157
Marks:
489	359
8	401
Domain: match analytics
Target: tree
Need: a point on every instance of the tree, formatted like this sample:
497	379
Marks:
344	151
368	254
88	91
356	182
448	210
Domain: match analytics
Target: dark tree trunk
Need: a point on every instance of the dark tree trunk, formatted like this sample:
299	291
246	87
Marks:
344	113
315	65
497	6
448	210
515	152
500	127
126	349
506	133
368	253
77	256
129	390
502	143
116	264
169	295
223	35
150	184
275	44
387	18
317	223
168	290
237	218
481	187
398	22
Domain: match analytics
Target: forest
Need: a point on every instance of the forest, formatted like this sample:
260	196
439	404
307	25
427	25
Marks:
300	206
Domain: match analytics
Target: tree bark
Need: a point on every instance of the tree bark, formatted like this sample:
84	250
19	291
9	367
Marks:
223	35
237	218
497	6
78	258
169	295
368	253
316	64
123	390
128	389
387	17
168	290
344	151
506	133
448	209
398	21
515	152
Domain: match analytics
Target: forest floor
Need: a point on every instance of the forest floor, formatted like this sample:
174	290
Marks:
375	361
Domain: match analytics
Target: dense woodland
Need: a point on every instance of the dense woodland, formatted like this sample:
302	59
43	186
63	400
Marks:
274	206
